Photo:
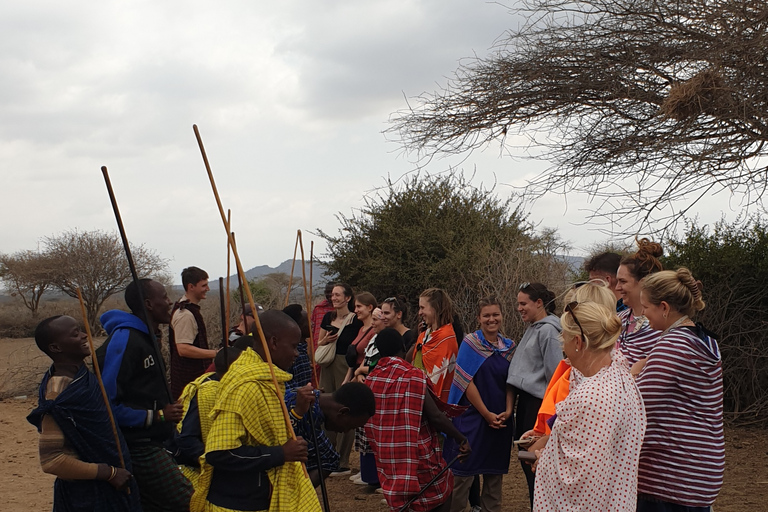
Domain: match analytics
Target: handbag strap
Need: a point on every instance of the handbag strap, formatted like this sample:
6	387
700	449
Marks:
347	321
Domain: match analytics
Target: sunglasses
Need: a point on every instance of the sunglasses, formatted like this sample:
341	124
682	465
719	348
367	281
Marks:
570	308
524	286
390	299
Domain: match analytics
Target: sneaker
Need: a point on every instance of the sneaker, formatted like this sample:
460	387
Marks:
354	477
380	490
358	480
341	472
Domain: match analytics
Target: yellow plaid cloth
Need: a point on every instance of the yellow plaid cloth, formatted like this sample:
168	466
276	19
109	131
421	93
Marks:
248	412
206	390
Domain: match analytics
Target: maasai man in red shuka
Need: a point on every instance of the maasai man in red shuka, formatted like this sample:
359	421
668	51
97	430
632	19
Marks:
404	431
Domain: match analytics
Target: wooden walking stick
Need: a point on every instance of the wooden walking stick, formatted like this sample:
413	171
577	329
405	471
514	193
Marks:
132	266
323	488
229	228
97	371
311	258
290	278
308	301
240	271
242	293
223	313
410	502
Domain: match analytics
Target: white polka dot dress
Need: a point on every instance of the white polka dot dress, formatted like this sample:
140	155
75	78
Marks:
590	461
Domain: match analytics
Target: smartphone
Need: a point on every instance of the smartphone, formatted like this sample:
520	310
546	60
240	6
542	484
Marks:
526	456
524	443
332	329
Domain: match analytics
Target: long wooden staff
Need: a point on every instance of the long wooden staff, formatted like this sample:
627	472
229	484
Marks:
229	228
132	266
290	278
311	259
242	296
240	271
429	484
311	347
97	371
223	314
308	301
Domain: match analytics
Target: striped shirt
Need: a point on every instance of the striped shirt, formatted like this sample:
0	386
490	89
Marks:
637	338
683	455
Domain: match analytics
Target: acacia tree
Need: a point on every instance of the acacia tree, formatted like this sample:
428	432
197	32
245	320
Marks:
27	274
440	231
648	106
95	262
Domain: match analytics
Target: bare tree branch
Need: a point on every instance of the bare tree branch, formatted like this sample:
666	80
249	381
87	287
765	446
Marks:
649	106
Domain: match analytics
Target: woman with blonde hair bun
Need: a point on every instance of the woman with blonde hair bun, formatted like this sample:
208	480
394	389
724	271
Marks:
590	461
682	386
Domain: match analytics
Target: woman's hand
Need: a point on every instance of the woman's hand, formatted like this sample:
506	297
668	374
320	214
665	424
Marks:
328	338
638	367
493	420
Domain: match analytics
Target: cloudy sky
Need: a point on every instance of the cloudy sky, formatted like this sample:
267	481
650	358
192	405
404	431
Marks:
291	99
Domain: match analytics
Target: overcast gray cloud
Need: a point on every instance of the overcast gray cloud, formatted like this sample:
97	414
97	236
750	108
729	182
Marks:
291	98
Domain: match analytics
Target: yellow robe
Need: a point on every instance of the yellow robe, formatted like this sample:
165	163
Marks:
206	392
249	412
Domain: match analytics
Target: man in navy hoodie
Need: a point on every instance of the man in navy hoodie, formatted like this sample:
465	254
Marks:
138	391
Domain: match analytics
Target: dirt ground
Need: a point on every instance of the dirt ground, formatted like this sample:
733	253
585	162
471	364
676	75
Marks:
25	488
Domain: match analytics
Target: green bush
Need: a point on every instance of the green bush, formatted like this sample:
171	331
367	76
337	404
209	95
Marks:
441	231
731	261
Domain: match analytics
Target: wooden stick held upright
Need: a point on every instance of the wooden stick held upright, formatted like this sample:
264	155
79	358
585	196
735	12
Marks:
308	302
229	249
240	271
223	312
290	278
140	292
97	371
311	259
242	293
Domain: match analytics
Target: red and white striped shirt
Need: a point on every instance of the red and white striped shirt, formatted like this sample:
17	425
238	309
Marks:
637	338
683	455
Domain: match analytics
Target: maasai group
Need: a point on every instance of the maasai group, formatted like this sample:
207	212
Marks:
614	406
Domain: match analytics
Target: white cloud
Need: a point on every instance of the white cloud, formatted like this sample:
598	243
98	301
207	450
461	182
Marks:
291	99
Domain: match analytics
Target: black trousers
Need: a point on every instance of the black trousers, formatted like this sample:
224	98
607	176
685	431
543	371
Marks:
525	418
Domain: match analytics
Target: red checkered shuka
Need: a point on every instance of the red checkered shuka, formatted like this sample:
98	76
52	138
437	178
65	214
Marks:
406	446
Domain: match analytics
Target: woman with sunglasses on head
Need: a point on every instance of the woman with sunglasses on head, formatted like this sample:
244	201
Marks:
637	337
536	358
590	461
480	383
394	311
683	456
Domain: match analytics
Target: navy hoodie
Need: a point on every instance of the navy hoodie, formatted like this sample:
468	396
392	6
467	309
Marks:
133	378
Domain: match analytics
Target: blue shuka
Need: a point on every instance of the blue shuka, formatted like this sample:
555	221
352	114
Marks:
80	413
485	365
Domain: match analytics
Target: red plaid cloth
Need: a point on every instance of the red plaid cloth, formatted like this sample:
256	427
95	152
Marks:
406	446
318	312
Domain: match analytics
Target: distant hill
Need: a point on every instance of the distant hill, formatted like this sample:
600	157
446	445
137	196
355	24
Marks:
318	280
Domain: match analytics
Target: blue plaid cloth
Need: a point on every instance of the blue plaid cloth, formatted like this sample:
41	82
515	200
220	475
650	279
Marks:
328	456
301	369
